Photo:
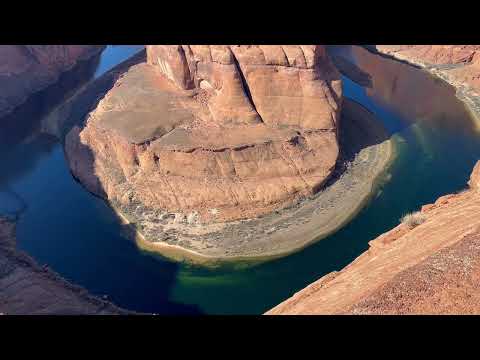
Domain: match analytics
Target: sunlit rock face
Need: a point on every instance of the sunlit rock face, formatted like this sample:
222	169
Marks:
288	85
221	132
26	69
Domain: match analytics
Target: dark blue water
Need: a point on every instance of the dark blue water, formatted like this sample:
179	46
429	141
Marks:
77	234
113	55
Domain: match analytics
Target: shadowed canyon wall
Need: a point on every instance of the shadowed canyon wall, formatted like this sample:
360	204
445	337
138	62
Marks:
26	69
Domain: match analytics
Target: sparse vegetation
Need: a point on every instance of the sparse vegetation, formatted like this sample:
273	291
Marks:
192	218
413	219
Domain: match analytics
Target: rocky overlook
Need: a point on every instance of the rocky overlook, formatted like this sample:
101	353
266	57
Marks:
431	268
26	69
213	133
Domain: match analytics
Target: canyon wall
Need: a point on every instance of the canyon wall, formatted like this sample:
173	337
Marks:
213	133
26	69
430	268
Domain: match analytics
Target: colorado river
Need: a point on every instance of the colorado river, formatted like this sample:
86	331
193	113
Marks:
79	236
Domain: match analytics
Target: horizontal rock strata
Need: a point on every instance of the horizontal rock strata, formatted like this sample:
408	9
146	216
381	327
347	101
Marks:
213	133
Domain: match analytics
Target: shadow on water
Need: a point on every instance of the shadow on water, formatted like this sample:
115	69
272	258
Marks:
358	129
24	121
21	129
21	141
400	92
61	224
140	281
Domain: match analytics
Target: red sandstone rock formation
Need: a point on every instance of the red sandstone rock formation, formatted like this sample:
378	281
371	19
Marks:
215	133
25	69
433	268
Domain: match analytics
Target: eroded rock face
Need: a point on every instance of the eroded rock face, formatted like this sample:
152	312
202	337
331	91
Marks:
25	69
213	133
432	268
274	84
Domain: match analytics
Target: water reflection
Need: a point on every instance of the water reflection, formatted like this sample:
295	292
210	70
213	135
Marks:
411	94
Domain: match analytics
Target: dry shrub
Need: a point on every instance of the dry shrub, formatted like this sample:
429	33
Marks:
413	219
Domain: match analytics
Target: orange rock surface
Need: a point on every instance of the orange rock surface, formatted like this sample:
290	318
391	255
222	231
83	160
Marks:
217	133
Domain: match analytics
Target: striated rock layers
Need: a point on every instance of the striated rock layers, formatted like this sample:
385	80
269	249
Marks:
432	268
25	69
29	289
459	64
213	133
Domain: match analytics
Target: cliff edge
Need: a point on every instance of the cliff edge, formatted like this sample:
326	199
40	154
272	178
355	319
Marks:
428	268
